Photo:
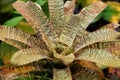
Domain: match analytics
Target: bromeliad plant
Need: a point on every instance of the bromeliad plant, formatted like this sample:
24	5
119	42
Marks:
62	39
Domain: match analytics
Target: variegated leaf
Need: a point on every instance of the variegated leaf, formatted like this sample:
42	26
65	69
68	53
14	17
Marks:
56	10
93	67
29	55
111	25
113	47
18	35
33	13
50	45
88	14
77	23
82	32
9	72
62	74
99	56
71	29
101	35
80	72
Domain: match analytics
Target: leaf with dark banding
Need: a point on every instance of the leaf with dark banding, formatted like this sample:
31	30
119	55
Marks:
89	13
70	30
18	35
33	13
29	55
102	57
56	10
93	67
80	72
91	38
9	72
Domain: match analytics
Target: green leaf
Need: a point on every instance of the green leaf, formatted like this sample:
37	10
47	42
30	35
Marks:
45	9
5	5
109	12
24	26
41	2
14	21
1	62
7	51
44	5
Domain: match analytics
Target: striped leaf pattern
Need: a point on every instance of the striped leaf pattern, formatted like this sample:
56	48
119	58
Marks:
28	55
91	38
88	14
99	56
32	13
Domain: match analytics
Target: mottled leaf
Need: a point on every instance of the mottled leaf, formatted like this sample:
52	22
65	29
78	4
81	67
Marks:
101	35
56	10
70	30
9	72
18	35
29	55
80	72
62	74
111	25
93	67
50	45
82	32
113	47
32	13
88	14
102	57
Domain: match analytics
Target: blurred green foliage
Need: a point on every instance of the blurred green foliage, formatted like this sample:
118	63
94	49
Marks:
6	5
14	21
6	52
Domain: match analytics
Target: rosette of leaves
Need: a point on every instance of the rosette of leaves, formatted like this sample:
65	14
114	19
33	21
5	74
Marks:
62	39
